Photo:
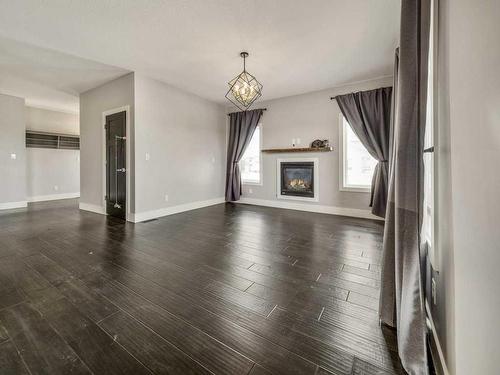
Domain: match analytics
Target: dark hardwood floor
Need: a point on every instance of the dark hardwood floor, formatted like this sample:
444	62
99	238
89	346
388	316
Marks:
228	289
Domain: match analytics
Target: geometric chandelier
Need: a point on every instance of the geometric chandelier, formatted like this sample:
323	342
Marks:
244	89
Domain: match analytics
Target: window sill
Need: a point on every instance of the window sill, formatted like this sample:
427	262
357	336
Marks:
251	183
353	189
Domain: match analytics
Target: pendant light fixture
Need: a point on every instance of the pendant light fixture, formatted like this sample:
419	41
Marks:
244	89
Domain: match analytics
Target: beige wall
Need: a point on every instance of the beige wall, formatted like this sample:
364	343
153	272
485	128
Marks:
466	316
115	94
52	121
12	141
52	173
308	117
474	86
184	136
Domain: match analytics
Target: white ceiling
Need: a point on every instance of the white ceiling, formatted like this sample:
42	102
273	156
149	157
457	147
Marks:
49	79
295	46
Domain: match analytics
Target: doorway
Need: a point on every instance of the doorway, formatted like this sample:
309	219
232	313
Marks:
116	160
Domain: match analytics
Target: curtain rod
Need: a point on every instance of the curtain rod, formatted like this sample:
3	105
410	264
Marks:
355	92
264	109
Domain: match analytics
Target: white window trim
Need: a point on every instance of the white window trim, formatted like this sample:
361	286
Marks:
342	163
260	183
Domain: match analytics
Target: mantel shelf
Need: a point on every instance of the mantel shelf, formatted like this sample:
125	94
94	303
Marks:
298	149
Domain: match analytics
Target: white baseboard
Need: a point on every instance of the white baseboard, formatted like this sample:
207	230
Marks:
436	340
12	205
148	215
92	208
53	197
332	210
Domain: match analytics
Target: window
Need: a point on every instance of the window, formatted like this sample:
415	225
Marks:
250	163
357	165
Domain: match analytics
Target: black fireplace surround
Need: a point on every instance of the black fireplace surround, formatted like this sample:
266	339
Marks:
297	179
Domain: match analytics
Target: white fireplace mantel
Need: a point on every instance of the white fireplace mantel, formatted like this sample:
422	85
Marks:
316	179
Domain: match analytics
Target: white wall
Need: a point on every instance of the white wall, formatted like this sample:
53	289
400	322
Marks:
308	117
184	136
115	94
12	141
52	121
52	174
474	90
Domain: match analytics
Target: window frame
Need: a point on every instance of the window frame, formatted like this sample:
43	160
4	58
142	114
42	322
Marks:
343	162
253	183
433	240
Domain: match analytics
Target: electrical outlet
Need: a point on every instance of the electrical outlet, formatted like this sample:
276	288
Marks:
433	291
250	191
56	188
147	156
213	159
166	197
13	156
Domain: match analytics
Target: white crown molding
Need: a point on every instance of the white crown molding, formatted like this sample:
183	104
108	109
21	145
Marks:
12	205
53	197
92	208
148	215
323	209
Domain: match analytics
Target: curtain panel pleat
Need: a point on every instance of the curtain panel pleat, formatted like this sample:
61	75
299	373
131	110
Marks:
369	115
402	291
242	125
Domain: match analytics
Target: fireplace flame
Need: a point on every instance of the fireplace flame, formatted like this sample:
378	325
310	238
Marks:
298	183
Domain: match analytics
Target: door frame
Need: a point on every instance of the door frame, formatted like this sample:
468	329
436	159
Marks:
125	109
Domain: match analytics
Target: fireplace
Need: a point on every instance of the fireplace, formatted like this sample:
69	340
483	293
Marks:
297	179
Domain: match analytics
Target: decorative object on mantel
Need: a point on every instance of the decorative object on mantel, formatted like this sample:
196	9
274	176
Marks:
297	149
320	143
244	89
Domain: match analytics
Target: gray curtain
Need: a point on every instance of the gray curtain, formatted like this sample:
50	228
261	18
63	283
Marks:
401	297
242	125
369	114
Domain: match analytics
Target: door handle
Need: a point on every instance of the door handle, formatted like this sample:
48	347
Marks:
121	170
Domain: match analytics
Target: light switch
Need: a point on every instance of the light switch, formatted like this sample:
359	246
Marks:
13	156
147	156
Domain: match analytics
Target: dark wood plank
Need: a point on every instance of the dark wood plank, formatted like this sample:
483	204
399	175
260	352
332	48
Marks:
249	301
43	350
97	349
199	345
361	367
228	289
159	355
11	362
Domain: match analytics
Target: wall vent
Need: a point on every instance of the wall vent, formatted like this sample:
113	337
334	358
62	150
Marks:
35	139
